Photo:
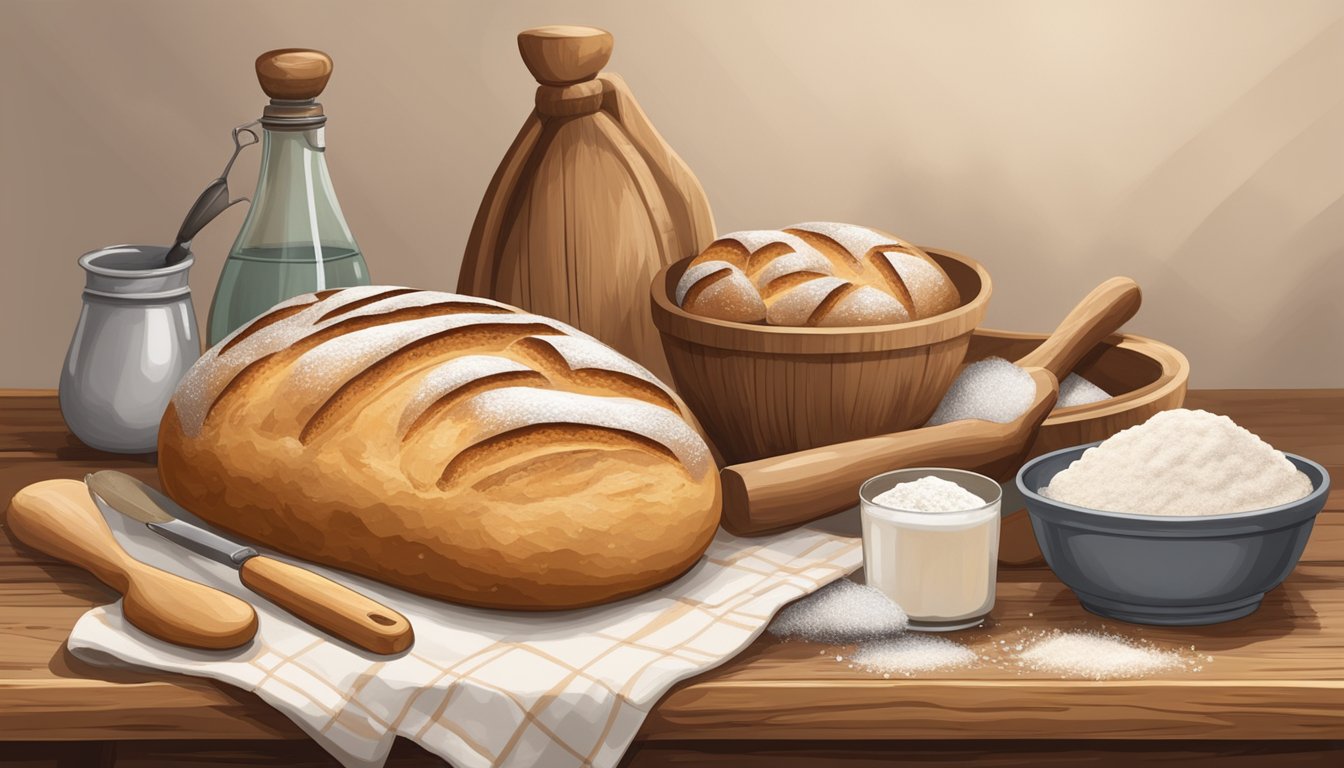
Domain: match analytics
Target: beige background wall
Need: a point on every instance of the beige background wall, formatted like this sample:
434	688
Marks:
1196	146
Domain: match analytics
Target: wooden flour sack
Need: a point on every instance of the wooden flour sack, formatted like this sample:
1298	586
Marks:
588	204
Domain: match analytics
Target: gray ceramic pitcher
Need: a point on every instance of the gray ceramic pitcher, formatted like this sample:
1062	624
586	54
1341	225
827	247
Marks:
135	340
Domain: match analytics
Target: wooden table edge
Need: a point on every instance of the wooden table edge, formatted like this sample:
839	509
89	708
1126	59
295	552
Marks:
211	710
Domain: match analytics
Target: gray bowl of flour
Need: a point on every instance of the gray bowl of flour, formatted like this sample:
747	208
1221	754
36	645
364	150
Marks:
1169	570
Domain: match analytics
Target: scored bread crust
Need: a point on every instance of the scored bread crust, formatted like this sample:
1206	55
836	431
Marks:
448	445
815	274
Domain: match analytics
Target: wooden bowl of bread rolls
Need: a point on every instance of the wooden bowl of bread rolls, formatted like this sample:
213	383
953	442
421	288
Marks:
784	340
1142	376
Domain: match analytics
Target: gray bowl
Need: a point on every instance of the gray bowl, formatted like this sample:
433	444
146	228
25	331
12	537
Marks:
1170	571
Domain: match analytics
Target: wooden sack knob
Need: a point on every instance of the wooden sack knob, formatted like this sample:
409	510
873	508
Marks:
564	55
293	73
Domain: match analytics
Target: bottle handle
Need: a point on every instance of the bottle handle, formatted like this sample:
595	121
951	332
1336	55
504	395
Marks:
239	144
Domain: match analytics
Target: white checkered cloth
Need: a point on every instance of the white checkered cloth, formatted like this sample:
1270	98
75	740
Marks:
480	687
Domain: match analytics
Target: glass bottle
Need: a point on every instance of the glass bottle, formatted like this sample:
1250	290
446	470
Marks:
295	238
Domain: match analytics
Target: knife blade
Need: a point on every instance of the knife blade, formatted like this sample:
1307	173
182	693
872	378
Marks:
329	606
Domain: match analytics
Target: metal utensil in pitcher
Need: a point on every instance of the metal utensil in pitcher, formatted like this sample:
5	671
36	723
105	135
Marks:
211	202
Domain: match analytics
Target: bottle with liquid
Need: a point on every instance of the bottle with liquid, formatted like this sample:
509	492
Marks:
294	239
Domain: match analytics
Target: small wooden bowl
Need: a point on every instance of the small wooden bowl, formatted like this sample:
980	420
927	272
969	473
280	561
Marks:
1146	376
766	390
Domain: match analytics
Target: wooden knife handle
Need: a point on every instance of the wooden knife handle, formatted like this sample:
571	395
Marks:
1100	313
59	518
330	607
784	491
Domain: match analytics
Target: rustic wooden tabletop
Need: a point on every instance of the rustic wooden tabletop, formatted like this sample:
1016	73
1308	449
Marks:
1274	691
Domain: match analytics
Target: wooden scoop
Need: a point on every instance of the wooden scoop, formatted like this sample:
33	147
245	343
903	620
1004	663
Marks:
1100	313
783	491
59	518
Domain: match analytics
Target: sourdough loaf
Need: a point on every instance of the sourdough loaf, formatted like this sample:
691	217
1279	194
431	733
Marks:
449	445
818	273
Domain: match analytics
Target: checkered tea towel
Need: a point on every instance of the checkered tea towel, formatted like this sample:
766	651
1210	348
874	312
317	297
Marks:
481	687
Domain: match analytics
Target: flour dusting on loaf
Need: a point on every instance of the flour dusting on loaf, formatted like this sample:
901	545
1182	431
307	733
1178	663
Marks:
449	445
756	239
857	241
501	410
582	353
449	377
797	305
198	390
816	273
809	260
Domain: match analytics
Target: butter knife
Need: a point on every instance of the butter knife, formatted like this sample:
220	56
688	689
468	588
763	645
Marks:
317	600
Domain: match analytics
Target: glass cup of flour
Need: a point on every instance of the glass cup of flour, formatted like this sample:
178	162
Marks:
931	544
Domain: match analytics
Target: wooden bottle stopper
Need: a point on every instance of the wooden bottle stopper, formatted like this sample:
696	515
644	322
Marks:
566	61
562	55
293	74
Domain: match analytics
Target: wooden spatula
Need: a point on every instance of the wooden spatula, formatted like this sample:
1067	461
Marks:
331	607
783	491
59	518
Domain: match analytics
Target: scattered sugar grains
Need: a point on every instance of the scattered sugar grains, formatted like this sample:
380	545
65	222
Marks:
842	612
911	653
992	389
929	494
1075	390
1096	656
1180	463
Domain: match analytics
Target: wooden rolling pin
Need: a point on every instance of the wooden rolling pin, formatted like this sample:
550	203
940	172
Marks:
783	491
59	518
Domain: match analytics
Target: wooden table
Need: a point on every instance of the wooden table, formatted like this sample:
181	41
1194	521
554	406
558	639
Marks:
1274	692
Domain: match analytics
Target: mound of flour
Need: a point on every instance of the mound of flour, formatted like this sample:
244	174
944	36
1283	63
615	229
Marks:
929	494
1075	390
992	389
1180	463
841	612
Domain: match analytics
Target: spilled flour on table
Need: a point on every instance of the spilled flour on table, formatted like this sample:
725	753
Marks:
910	653
1093	655
867	632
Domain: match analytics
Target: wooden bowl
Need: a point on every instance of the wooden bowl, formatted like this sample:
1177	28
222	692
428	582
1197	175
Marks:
767	390
1145	376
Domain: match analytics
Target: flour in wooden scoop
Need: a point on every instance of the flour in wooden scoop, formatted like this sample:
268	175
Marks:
992	389
1075	390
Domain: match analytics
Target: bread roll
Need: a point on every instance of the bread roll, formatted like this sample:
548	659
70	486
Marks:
448	445
816	273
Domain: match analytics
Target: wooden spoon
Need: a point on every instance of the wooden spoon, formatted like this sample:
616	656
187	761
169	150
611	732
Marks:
59	518
783	491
